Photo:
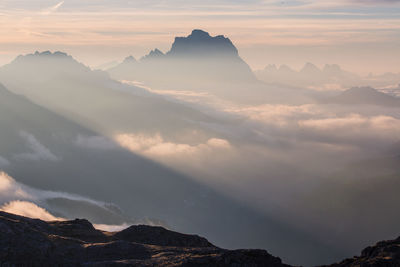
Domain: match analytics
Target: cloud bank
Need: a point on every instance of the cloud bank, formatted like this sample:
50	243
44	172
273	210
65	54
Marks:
156	146
29	202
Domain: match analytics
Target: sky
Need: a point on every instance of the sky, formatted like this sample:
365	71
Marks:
361	35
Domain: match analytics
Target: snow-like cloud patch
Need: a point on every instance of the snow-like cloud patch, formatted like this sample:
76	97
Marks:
28	209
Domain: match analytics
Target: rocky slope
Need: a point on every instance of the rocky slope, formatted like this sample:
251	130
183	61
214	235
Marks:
30	242
384	253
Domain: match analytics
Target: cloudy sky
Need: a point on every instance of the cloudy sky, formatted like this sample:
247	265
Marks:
361	35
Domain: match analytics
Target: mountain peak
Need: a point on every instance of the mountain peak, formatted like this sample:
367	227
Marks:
196	33
310	68
47	63
50	54
156	53
332	68
129	59
201	43
45	55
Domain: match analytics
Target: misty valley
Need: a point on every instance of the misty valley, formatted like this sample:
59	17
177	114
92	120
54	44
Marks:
302	163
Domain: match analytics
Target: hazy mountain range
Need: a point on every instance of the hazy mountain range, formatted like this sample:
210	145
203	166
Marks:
203	63
330	77
190	139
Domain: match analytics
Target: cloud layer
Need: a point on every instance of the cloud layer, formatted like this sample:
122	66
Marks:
29	202
156	146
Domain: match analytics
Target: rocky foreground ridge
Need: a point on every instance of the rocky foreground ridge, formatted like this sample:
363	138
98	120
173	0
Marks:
32	242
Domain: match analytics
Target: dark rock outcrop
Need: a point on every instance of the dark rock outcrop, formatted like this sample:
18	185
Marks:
160	236
30	242
383	254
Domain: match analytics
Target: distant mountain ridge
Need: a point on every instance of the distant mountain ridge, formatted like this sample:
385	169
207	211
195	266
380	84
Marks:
197	62
62	84
329	77
364	95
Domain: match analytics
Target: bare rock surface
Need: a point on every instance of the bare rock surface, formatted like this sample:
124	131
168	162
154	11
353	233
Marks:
383	254
31	242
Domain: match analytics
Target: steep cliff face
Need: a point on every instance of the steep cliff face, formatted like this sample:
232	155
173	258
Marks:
30	242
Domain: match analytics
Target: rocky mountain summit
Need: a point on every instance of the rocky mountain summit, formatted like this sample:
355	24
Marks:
32	242
193	59
201	43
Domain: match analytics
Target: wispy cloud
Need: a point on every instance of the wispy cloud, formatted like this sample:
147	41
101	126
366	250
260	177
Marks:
52	9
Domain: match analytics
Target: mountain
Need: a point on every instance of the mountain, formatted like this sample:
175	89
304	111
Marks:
310	70
208	64
197	62
45	151
384	253
36	243
365	96
154	54
73	243
198	56
33	138
330	77
200	44
67	87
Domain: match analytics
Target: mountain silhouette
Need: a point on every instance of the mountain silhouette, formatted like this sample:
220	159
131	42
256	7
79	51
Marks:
207	64
329	77
198	62
201	44
154	54
364	95
60	83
